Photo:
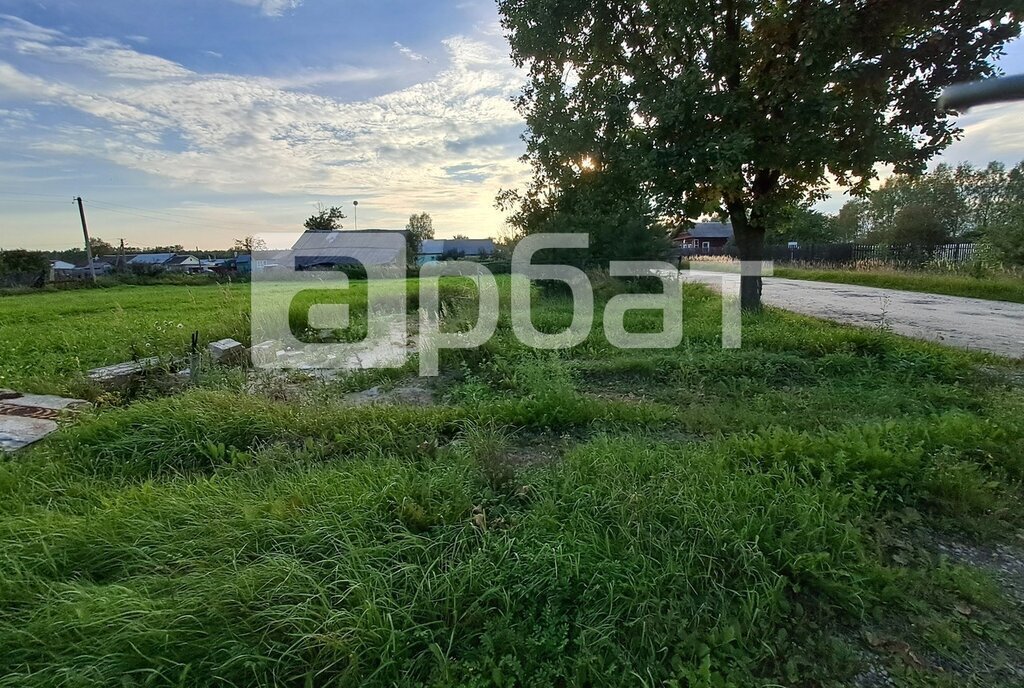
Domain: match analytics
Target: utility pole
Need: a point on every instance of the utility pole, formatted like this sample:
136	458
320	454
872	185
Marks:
355	212
88	246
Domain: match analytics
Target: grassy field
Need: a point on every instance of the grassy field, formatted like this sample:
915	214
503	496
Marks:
808	510
49	340
995	287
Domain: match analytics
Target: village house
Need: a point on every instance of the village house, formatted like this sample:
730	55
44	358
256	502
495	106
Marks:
704	238
170	262
432	250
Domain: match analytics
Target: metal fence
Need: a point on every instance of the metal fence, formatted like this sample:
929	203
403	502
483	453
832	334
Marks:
22	279
897	254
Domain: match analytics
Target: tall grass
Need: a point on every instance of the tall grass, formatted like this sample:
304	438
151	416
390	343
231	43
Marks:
591	517
995	286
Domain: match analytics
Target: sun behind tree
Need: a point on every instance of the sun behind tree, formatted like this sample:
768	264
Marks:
740	108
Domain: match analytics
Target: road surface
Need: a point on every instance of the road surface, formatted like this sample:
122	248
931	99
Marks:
993	326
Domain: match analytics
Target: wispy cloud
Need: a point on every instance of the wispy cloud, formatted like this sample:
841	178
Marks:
408	52
271	8
411	147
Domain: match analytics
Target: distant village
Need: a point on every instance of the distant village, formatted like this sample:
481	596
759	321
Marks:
313	250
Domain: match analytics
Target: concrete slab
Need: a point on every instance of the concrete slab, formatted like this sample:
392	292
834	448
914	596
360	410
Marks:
16	432
226	351
28	418
46	401
122	374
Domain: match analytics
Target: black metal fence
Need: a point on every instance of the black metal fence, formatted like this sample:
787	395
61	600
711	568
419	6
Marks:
22	279
897	254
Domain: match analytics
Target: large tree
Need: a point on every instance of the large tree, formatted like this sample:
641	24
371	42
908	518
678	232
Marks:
744	107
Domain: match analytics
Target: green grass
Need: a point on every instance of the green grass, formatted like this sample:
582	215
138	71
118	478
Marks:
994	287
50	340
593	517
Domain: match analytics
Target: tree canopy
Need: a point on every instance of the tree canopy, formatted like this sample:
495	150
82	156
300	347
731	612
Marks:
949	204
419	228
325	219
742	108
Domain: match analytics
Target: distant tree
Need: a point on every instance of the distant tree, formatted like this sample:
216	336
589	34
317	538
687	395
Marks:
1005	230
806	226
248	244
920	226
101	248
19	261
505	243
419	228
742	107
988	194
325	219
460	237
945	191
173	248
850	222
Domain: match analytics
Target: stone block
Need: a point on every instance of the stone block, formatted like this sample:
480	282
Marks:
121	375
227	352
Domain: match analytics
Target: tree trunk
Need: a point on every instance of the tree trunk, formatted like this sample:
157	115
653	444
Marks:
750	244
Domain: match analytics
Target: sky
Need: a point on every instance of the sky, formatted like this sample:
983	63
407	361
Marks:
196	122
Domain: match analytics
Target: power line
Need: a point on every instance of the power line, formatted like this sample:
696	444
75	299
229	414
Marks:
156	218
33	201
151	214
146	213
25	193
144	216
145	210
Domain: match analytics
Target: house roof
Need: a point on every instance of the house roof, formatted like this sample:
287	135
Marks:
96	265
347	248
62	265
112	259
151	258
709	230
181	259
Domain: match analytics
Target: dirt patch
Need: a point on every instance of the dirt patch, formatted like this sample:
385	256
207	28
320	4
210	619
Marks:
409	394
983	650
1004	562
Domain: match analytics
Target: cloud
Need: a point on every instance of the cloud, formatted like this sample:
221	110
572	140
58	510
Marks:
111	58
271	8
991	132
408	52
417	147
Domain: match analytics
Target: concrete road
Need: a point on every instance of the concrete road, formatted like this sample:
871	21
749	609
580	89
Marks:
993	326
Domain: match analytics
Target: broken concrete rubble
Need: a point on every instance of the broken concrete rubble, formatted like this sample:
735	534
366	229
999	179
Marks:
409	394
121	375
264	353
28	418
227	351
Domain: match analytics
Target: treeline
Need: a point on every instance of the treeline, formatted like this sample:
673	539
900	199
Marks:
949	204
100	247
